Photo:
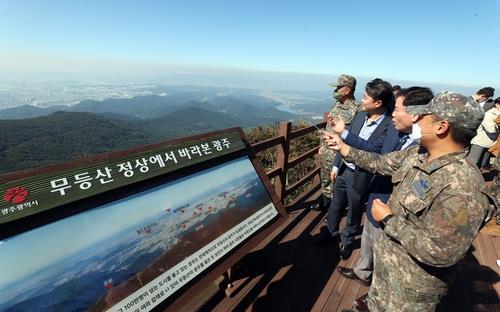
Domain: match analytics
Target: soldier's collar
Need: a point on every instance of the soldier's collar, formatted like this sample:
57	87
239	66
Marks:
439	162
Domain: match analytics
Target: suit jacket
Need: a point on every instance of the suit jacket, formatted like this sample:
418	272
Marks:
381	186
361	177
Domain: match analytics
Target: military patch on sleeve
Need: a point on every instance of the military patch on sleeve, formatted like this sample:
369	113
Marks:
421	186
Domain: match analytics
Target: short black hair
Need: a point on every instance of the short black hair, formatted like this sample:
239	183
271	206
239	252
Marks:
379	89
459	134
486	91
416	96
497	100
396	90
462	135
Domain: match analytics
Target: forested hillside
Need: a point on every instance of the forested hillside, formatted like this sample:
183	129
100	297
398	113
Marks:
62	136
35	142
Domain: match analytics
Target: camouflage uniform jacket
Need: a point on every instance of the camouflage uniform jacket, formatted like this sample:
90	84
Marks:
346	112
438	208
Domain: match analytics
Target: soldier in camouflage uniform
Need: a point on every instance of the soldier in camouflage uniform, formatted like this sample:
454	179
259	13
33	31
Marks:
346	107
435	211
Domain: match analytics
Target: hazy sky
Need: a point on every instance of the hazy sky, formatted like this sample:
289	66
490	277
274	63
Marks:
450	42
63	238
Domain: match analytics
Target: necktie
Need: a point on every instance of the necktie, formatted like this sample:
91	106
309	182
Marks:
401	142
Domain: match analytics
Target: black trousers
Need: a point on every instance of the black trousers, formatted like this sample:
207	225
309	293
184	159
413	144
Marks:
345	195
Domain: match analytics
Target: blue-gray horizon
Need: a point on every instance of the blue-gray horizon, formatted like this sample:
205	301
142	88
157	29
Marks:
436	42
48	89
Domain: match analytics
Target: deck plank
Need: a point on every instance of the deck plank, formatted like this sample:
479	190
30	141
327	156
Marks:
253	280
275	263
304	269
289	273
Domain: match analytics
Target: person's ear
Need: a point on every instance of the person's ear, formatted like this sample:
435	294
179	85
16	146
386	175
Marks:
442	126
378	103
415	118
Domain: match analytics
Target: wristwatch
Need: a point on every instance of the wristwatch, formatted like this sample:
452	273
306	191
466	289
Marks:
384	221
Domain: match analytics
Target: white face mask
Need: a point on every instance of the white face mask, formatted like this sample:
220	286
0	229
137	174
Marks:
416	132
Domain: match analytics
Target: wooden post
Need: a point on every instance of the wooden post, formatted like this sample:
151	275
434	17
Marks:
317	178
282	159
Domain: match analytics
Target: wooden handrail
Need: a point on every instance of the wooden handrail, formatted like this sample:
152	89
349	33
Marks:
301	132
263	145
297	160
273	173
304	179
282	142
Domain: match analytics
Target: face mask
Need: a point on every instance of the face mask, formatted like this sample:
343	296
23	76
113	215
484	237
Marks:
416	132
337	96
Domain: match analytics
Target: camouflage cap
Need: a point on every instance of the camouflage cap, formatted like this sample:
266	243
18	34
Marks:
345	80
455	108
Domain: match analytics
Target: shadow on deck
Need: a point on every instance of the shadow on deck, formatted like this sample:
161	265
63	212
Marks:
286	272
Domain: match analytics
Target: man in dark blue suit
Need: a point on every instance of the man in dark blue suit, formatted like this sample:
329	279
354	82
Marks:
351	183
398	137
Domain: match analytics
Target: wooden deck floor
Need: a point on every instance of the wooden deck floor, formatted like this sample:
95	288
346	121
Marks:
286	272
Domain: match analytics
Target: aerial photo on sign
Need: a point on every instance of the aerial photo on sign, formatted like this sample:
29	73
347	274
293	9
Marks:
95	259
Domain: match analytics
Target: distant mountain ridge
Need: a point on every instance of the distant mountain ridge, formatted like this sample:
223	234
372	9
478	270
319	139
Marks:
24	111
150	106
93	127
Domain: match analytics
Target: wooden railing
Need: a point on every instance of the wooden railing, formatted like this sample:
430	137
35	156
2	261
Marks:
284	164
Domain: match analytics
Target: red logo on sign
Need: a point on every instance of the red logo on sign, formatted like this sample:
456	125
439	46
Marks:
16	195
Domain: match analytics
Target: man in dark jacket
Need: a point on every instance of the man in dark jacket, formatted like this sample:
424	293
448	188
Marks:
435	211
397	138
351	183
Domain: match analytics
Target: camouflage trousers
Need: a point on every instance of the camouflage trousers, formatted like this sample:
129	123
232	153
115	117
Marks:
326	167
399	284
